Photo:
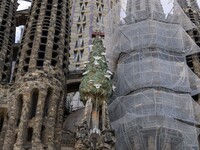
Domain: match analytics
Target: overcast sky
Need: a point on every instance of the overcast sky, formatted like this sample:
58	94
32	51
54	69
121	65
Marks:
24	5
198	2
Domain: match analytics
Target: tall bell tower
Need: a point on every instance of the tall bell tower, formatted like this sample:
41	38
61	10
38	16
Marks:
7	30
36	98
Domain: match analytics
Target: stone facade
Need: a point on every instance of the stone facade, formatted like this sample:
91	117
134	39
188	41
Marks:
32	99
86	17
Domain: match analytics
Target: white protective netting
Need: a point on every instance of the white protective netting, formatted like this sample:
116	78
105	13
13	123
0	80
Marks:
152	107
145	113
150	33
154	68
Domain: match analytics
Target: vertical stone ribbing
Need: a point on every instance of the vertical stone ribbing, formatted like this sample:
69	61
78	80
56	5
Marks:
21	135
45	40
11	135
51	121
27	40
59	122
38	119
7	22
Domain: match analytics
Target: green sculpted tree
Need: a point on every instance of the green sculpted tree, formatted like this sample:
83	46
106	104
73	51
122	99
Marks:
95	132
96	84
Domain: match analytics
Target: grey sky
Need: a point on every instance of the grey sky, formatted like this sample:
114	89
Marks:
24	5
198	2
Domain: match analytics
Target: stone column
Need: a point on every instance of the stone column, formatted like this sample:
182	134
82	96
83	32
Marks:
37	129
3	131
50	37
21	136
59	123
10	136
105	117
51	121
95	115
88	111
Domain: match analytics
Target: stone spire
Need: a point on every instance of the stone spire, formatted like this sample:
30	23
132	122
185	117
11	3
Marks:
95	132
36	98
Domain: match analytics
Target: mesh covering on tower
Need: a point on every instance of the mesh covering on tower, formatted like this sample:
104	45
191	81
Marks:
152	107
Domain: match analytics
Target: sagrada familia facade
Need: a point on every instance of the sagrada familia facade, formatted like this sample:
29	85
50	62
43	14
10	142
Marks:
141	92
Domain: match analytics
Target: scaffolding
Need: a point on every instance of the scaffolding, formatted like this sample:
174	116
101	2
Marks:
152	107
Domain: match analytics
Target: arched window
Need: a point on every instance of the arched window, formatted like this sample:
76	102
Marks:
19	108
47	100
1	121
29	134
34	100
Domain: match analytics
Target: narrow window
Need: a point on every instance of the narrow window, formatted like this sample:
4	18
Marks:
1	122
19	108
34	100
29	134
47	100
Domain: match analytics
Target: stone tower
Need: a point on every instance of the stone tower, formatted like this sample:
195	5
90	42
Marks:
86	18
7	23
36	98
